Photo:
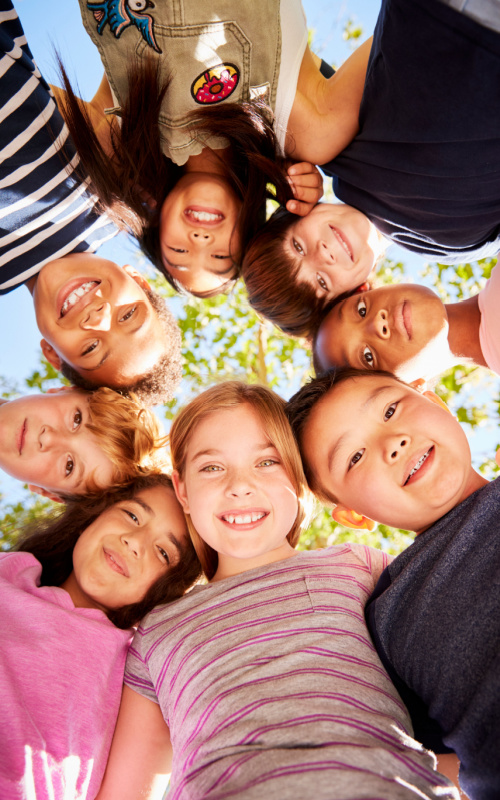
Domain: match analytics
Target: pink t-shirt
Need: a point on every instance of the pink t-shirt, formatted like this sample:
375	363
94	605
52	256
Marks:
61	673
489	328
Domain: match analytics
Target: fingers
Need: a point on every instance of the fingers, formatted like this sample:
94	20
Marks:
307	185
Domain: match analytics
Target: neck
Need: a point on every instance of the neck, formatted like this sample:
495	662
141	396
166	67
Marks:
464	319
229	565
78	596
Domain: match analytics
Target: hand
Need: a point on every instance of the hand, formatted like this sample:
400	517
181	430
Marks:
307	185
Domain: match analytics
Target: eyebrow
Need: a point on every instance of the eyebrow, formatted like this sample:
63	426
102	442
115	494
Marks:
79	472
175	542
214	452
143	505
338	444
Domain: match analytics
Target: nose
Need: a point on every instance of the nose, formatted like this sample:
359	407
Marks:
380	324
48	437
395	447
324	252
134	542
200	237
239	484
98	317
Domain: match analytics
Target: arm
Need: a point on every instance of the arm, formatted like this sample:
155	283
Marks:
140	757
448	764
325	113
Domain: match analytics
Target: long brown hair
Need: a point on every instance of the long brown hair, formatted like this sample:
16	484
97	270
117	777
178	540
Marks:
52	540
270	409
137	168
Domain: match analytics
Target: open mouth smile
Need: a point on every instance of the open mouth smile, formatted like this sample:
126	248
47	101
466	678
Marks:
244	519
421	461
76	294
203	216
342	241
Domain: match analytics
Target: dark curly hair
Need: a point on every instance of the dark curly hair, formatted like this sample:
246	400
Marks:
52	540
159	384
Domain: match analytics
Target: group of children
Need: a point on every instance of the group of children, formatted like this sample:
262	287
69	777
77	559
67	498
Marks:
334	671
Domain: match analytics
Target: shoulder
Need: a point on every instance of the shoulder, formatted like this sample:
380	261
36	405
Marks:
20	569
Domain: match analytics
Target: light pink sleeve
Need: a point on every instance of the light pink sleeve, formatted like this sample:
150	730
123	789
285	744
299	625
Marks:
489	328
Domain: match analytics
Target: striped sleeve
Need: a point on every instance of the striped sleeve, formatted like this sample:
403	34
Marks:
136	670
45	209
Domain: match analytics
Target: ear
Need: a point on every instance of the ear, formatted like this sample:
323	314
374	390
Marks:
419	385
50	354
57	389
45	493
180	491
365	287
432	396
351	519
137	277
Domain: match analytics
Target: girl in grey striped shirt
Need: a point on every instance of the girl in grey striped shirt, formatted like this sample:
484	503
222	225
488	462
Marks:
263	682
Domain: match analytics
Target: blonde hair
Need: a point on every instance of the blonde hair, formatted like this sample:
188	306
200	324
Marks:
270	409
129	435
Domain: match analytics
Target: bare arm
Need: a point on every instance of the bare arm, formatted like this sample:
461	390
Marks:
141	754
448	764
325	114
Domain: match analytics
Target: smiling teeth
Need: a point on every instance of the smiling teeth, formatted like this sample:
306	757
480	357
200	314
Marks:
204	216
418	465
243	519
342	242
75	296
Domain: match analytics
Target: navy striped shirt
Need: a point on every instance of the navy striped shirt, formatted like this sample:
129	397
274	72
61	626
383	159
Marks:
45	209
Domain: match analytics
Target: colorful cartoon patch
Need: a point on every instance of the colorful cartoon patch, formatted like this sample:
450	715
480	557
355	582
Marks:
215	84
121	14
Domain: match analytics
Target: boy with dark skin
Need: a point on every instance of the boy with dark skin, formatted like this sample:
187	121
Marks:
376	448
105	323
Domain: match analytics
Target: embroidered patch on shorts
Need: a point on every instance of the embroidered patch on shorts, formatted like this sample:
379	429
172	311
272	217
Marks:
215	84
121	14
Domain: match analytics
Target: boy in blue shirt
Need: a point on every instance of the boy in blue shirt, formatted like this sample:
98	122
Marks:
378	449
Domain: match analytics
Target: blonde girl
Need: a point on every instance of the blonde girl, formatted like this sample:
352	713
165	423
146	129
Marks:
264	681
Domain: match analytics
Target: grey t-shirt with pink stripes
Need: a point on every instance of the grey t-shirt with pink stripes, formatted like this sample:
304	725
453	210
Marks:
271	686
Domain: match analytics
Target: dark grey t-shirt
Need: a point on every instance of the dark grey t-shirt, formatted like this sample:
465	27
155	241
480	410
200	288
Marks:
435	621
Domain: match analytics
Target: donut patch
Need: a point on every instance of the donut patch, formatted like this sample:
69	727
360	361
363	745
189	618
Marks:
215	84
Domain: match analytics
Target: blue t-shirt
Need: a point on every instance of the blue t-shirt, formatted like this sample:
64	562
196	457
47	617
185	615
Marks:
435	621
45	209
425	165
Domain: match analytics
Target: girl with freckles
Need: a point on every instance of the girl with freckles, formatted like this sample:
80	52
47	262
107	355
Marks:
264	681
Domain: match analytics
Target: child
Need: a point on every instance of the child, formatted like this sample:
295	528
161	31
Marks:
406	329
49	227
197	147
377	448
102	324
265	676
96	566
294	266
71	442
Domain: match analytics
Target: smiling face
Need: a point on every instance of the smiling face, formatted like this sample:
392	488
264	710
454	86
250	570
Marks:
128	547
388	452
96	316
336	247
45	443
197	230
401	328
241	501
